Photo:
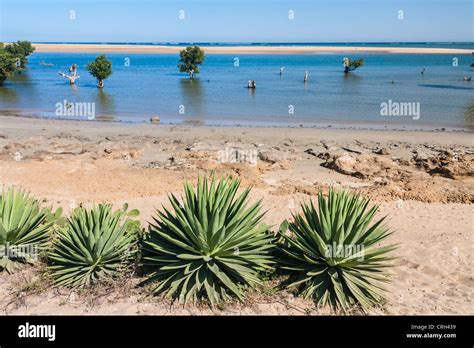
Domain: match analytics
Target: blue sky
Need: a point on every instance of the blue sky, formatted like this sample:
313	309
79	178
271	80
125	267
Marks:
236	20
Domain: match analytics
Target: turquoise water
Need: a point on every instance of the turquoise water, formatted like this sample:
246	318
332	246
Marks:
460	45
151	85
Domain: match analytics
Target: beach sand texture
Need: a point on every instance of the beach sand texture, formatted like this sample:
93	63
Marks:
422	180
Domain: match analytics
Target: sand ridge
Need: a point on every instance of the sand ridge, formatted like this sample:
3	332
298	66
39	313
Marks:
123	48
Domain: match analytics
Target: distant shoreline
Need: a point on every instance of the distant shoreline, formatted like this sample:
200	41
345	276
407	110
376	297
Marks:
160	49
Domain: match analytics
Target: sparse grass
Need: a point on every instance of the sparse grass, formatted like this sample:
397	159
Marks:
25	284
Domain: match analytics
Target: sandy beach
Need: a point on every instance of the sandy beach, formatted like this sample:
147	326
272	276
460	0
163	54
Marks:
424	181
236	171
107	48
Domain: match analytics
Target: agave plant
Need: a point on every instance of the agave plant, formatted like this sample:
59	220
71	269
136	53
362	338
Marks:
24	228
211	246
332	253
96	245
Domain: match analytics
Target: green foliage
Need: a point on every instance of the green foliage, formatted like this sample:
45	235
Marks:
469	115
7	65
101	68
96	245
211	246
13	57
190	59
20	50
350	64
333	254
24	228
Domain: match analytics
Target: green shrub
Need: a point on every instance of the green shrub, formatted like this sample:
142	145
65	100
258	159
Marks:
24	228
211	246
20	51
190	59
332	254
96	245
7	65
100	68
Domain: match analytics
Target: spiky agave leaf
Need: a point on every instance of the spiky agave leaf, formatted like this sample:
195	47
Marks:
333	253
212	245
95	246
24	228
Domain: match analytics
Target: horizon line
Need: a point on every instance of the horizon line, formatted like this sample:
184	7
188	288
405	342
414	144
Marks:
246	43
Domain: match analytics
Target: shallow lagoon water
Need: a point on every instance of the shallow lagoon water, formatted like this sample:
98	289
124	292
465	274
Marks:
143	85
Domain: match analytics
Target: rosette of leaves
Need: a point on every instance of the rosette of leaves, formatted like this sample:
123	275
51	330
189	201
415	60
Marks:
211	245
96	244
24	228
333	255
